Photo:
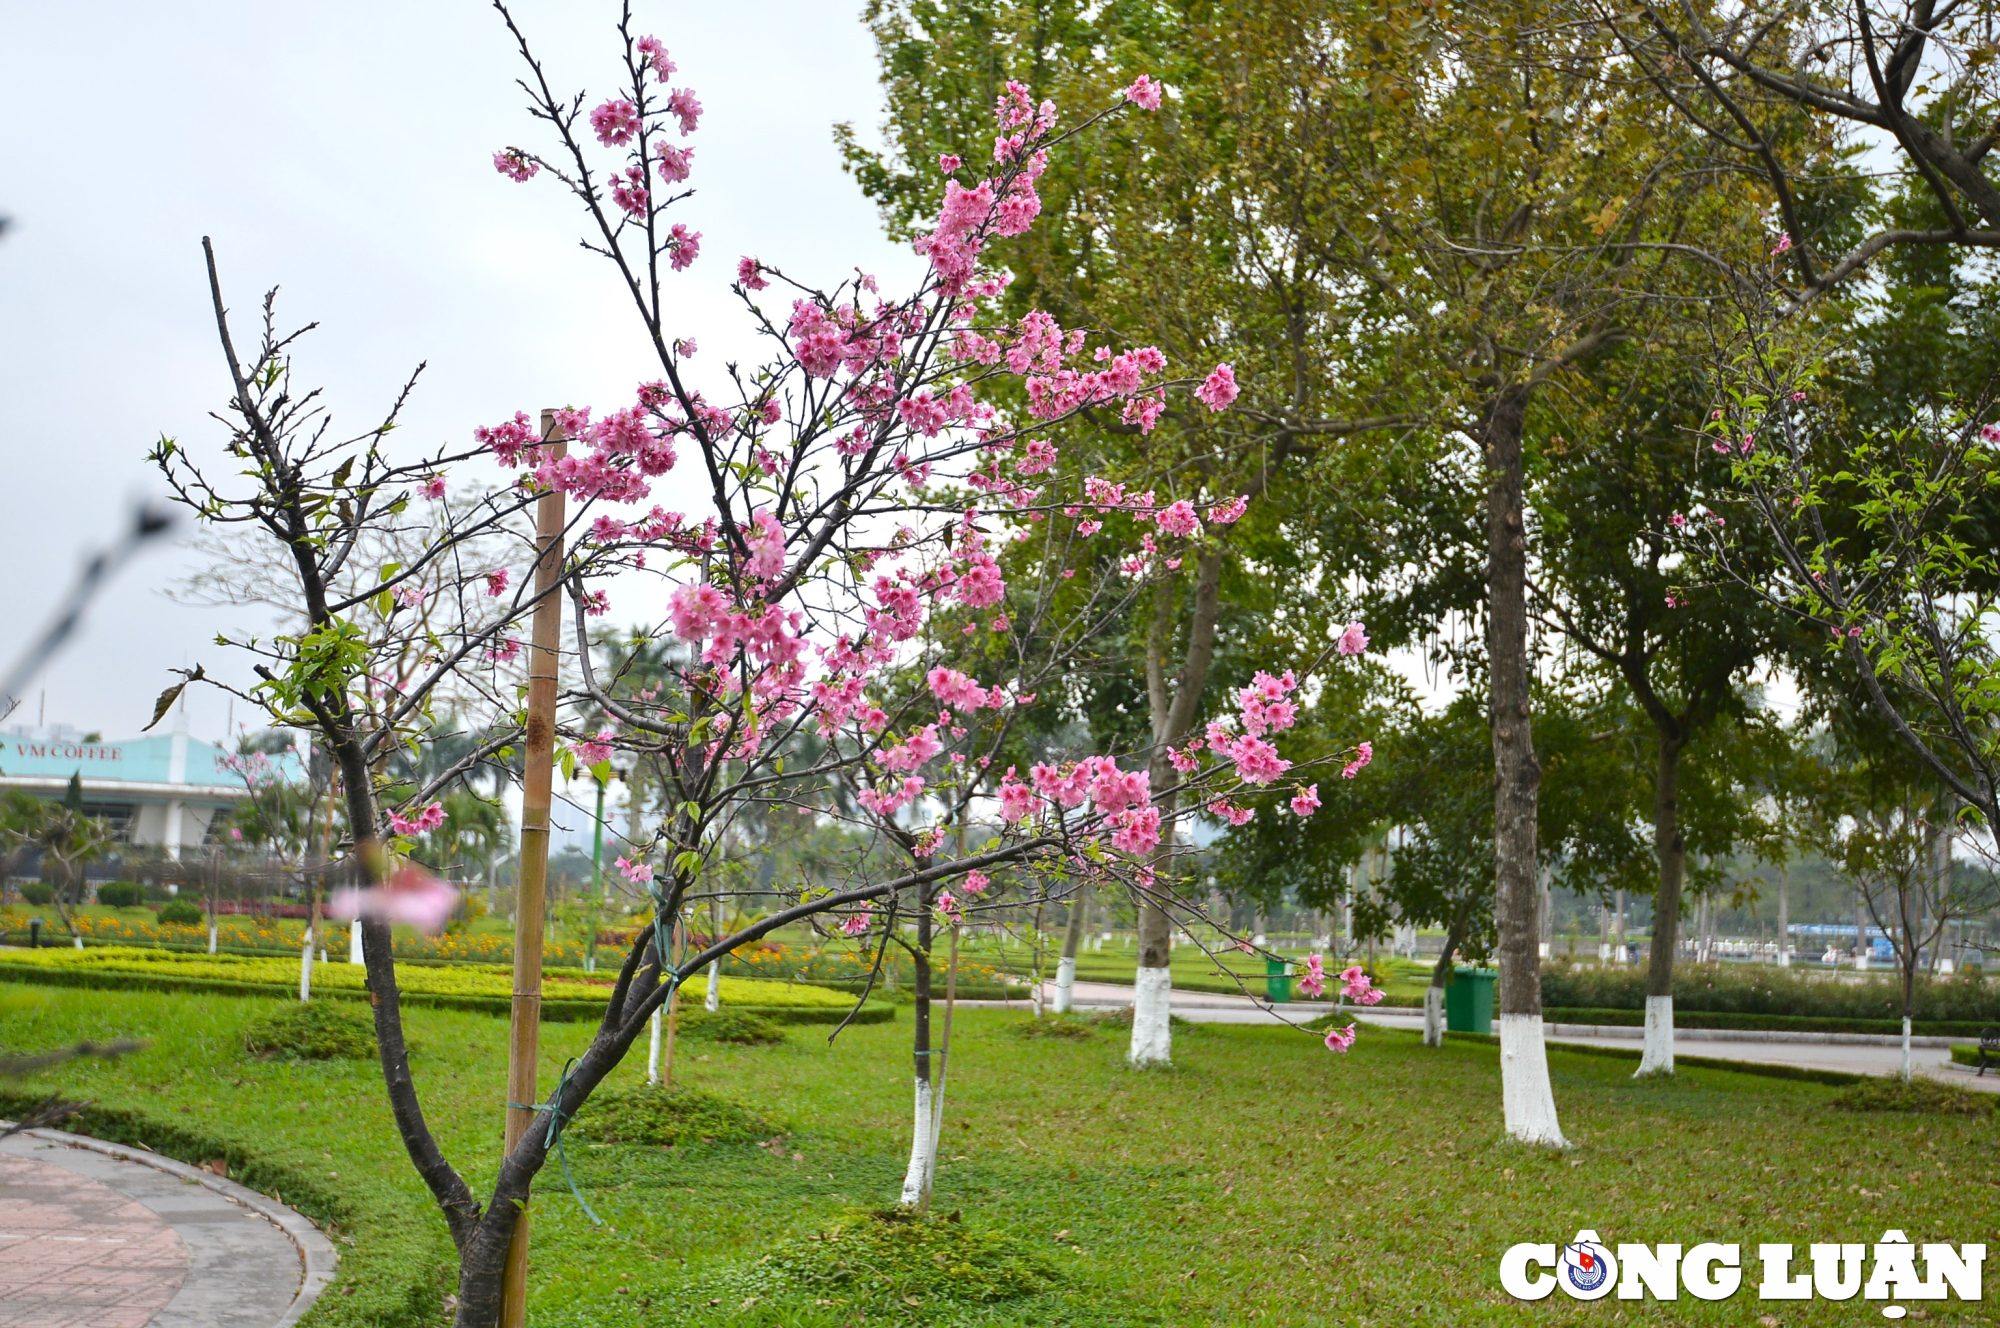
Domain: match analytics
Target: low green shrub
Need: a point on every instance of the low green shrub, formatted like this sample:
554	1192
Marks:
650	1114
121	894
311	1031
900	1259
1122	1018
38	892
1920	1095
1064	1027
735	1026
179	913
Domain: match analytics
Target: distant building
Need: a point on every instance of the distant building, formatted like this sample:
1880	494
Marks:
160	790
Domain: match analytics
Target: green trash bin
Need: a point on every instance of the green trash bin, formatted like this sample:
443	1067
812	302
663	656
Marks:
1278	981
1468	1000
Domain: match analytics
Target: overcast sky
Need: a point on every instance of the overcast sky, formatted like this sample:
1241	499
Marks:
343	152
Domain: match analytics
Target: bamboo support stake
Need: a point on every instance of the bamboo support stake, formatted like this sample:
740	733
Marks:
674	1002
538	775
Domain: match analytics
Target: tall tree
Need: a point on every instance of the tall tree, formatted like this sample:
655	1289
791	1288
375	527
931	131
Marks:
1612	583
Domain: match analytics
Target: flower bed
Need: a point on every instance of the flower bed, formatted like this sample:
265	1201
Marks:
567	995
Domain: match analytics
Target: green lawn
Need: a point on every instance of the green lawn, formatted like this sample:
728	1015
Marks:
1260	1180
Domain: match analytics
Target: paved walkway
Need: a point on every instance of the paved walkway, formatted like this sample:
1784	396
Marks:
93	1235
1851	1057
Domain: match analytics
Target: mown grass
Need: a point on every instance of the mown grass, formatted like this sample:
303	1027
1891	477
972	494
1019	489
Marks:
1259	1180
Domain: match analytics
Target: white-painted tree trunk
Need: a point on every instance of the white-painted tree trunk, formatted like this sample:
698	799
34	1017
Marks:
1433	1016
1906	1048
78	940
1658	1057
1526	1097
714	1001
354	942
1152	1012
653	1052
1065	985
923	1148
306	967
211	938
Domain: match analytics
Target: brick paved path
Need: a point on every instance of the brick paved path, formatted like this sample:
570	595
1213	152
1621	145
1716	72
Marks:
75	1253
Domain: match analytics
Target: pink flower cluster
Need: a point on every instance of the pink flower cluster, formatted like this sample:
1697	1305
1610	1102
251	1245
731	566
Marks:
636	872
430	818
1364	752
595	752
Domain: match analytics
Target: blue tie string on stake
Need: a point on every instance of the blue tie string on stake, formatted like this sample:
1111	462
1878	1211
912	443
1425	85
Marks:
557	1119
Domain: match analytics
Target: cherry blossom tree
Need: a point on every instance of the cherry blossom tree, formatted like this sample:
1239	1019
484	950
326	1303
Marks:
855	497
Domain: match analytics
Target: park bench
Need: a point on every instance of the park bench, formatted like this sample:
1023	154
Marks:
1989	1048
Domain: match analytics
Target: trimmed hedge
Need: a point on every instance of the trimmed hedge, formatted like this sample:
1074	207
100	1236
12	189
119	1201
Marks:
121	894
553	1011
1767	1023
1761	990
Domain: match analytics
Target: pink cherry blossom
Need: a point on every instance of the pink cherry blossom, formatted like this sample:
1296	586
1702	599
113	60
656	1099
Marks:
749	273
1257	761
430	818
1136	831
615	122
1784	245
411	896
1306	801
635	871
685	106
656	55
1144	93
685	246
948	162
411	596
767	547
1224	810
1340	1039
434	487
1230	512
1363	754
1218	389
1313	981
595	752
975	883
629	192
496	583
673	163
1353	639
1179	519
516	165
856	923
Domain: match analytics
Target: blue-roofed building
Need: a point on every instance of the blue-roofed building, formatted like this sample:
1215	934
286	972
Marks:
158	789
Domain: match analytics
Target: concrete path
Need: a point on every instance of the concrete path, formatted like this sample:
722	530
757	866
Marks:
1851	1055
94	1235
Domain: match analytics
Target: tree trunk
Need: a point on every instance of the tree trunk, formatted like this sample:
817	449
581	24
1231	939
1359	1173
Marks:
1784	915
1441	974
1172	718
1528	1101
922	1145
1670	842
1618	930
1072	938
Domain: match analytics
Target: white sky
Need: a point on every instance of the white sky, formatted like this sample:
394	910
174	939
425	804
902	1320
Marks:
343	152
